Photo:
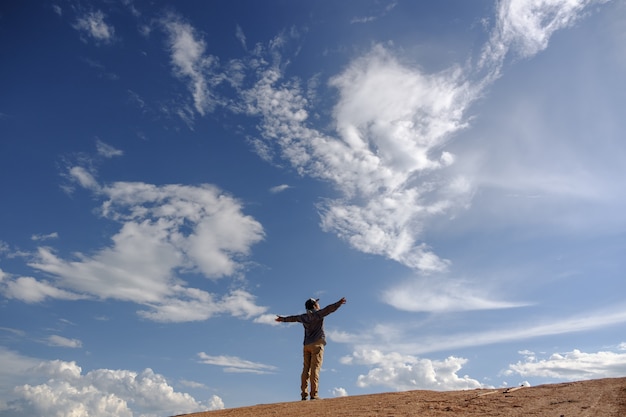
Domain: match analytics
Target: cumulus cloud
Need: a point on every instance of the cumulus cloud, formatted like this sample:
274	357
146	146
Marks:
574	365
407	372
164	232
234	364
59	388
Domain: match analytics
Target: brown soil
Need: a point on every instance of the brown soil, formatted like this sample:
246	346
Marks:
600	397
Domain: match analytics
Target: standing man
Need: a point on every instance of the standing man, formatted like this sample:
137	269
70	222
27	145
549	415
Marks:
314	341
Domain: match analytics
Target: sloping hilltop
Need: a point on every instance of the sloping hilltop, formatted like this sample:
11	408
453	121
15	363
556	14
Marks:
599	397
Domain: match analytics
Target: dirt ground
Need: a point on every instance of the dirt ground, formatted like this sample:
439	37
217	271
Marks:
600	397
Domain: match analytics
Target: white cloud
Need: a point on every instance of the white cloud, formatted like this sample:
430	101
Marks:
53	235
190	62
388	123
527	25
279	188
240	36
30	290
366	19
84	178
15	332
391	123
235	364
240	303
339	392
407	372
107	150
574	365
13	367
269	319
191	304
92	24
59	388
164	231
56	340
443	294
192	384
410	337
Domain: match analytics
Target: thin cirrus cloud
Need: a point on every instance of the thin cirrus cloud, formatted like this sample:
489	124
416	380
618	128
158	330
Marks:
56	340
94	26
397	337
235	365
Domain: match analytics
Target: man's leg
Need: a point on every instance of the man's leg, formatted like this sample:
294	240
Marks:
306	369
317	357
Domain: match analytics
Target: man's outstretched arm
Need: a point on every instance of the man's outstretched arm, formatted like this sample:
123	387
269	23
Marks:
331	308
287	319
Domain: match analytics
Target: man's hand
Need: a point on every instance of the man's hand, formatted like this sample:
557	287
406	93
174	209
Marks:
343	300
279	319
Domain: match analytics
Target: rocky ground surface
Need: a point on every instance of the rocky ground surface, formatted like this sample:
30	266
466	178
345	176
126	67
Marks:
600	397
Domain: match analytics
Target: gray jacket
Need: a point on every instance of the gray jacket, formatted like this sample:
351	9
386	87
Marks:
313	322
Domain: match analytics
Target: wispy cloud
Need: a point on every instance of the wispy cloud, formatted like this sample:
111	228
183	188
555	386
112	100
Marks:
386	149
240	36
397	337
444	294
235	364
56	340
389	352
94	26
31	290
279	188
107	150
191	63
370	18
53	235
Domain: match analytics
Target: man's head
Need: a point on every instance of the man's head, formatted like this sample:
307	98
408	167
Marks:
311	303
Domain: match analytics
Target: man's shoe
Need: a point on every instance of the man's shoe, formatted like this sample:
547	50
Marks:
315	398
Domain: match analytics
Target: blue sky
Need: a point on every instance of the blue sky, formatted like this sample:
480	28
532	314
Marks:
175	174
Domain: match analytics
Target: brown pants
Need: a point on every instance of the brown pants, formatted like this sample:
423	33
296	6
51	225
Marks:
313	357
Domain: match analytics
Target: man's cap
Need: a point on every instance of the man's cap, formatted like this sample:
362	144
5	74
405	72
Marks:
310	303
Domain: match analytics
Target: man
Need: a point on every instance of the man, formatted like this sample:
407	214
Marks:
314	341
